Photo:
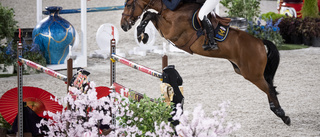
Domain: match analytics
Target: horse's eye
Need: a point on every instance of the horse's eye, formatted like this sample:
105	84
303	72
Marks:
128	6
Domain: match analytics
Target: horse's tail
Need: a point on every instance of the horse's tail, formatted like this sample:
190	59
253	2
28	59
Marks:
272	63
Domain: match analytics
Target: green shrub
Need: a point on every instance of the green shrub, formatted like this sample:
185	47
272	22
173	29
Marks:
289	30
4	123
7	28
145	113
249	9
310	8
310	27
7	22
272	15
8	54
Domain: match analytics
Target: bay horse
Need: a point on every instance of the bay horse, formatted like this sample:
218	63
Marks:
255	59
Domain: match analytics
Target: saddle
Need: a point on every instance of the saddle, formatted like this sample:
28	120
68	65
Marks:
223	21
221	26
215	20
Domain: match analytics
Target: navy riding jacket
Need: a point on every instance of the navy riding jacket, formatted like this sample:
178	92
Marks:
173	4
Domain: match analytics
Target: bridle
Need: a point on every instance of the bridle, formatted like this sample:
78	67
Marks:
133	4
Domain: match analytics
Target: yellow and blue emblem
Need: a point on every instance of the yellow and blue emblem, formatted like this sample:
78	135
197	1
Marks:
221	32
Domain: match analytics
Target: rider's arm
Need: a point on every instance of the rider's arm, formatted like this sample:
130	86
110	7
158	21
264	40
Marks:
171	4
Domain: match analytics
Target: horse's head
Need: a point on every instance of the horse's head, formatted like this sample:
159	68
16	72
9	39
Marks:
132	11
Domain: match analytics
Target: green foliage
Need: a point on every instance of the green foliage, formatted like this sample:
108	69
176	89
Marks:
4	123
310	27
32	52
292	47
8	54
5	57
270	31
249	9
289	29
7	22
297	30
290	26
145	113
7	28
272	15
310	8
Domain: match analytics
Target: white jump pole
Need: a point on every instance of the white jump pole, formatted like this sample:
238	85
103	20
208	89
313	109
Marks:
217	9
39	10
84	31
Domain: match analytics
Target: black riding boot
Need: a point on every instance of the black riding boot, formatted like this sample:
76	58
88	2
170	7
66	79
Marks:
206	24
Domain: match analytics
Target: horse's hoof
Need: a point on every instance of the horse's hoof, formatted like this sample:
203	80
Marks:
145	38
139	39
286	120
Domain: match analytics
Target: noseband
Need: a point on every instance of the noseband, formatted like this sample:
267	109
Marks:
133	4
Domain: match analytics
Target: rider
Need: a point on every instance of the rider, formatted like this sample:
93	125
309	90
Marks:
207	7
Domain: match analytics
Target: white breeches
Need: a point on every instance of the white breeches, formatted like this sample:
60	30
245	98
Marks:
207	7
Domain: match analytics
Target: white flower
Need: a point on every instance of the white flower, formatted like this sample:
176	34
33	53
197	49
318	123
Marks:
136	119
82	121
129	122
87	134
203	126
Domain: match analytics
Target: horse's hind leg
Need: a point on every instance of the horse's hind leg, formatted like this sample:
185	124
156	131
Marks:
273	59
272	97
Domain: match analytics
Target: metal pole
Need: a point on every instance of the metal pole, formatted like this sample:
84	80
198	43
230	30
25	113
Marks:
164	56
164	61
69	77
113	72
20	90
69	73
112	62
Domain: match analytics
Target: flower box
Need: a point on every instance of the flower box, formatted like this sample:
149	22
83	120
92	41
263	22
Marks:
316	41
7	69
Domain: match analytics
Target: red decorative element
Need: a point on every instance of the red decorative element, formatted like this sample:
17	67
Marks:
102	91
112	33
37	99
296	4
19	35
19	63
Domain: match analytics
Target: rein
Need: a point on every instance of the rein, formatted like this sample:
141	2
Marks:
134	6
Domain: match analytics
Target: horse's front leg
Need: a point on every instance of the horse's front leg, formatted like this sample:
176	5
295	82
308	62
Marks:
141	35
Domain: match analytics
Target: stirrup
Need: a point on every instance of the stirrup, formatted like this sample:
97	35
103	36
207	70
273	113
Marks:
210	46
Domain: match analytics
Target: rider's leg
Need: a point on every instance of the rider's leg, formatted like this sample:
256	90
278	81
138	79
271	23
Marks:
207	7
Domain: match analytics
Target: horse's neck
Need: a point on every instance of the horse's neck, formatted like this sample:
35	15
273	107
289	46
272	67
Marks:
157	5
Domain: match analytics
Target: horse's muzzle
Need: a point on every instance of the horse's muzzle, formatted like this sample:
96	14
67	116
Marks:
126	25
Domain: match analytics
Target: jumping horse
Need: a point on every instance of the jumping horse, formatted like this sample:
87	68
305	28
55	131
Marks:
255	59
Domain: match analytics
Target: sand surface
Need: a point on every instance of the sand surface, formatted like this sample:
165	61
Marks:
207	81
